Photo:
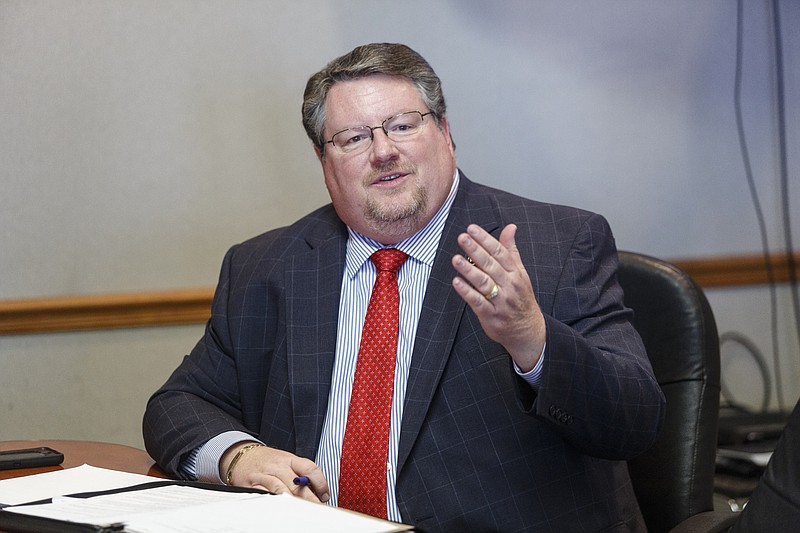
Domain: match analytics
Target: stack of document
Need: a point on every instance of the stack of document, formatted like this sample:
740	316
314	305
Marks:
87	498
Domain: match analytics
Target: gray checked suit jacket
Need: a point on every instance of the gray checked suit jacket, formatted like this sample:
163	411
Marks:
479	450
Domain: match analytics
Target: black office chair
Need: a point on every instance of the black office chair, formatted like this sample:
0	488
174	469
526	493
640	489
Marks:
674	480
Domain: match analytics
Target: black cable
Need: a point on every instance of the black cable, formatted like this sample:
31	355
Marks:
784	172
752	349
748	170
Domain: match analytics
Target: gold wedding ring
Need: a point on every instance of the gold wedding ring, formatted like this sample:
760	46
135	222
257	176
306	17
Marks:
492	293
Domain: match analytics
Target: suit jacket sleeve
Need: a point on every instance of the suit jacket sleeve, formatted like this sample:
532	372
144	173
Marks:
237	377
598	390
201	399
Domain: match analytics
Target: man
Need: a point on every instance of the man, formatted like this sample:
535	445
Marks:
517	386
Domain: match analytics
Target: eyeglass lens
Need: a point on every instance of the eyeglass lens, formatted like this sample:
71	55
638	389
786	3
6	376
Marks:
396	128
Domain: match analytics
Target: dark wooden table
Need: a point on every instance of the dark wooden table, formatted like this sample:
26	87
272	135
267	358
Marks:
78	452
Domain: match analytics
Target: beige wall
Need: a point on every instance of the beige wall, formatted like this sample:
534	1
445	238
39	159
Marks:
85	385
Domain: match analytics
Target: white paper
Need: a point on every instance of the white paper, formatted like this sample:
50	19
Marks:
83	478
275	513
177	509
121	506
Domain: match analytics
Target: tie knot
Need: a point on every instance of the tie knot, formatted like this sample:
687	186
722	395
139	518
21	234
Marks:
389	259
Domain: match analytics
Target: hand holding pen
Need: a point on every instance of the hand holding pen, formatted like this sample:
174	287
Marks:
256	465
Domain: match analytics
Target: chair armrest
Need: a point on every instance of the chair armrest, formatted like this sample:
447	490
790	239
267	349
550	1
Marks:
707	522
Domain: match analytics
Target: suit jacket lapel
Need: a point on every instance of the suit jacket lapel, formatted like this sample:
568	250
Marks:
441	314
313	286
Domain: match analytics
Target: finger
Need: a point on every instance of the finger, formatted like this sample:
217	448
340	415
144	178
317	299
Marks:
497	251
261	487
477	244
308	475
477	301
269	482
277	485
508	239
305	492
478	281
480	263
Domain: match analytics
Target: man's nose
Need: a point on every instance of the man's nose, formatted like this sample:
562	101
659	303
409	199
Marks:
382	146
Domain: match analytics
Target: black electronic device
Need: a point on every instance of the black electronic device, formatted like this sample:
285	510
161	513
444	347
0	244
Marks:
30	458
743	428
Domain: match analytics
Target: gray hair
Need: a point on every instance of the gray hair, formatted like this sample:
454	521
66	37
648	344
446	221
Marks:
377	58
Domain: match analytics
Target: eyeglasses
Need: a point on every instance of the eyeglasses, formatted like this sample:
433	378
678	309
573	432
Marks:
398	128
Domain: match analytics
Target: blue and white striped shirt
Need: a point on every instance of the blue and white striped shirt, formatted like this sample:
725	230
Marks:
359	277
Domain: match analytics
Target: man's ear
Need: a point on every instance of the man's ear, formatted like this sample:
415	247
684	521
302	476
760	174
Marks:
446	130
320	153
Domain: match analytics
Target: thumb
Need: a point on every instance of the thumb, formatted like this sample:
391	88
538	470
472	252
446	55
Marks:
507	239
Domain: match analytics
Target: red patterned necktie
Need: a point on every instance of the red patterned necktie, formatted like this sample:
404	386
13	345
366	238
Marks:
365	450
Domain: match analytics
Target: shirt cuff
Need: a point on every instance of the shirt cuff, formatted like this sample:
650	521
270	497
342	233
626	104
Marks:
202	464
534	376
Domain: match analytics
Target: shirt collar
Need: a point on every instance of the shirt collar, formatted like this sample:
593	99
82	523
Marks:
421	246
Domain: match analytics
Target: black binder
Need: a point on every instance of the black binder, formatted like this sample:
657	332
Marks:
21	523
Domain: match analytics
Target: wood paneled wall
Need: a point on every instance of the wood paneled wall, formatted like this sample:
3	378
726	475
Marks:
127	310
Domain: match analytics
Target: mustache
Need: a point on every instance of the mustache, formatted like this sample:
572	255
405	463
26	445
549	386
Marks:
393	168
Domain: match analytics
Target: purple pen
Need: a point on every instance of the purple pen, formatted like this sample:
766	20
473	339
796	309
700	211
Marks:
302	481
